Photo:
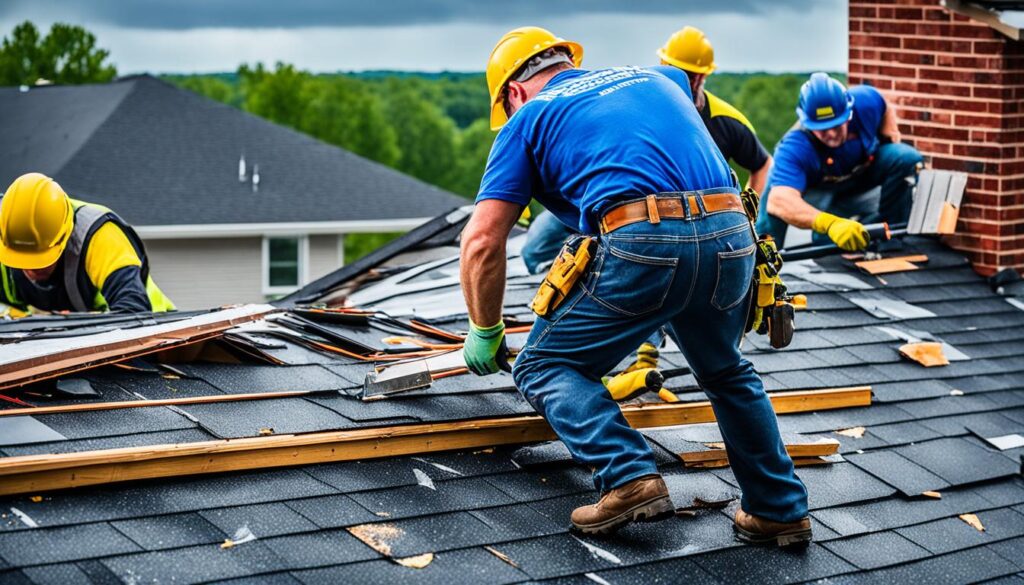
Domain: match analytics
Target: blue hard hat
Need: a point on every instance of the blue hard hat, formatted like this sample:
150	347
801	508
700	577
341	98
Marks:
824	103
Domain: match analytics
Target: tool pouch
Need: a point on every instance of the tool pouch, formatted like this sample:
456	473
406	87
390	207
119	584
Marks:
770	310
570	264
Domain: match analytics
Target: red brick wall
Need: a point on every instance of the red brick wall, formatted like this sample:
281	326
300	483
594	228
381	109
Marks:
959	89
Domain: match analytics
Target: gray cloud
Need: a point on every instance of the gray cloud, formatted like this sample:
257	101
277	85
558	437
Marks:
192	14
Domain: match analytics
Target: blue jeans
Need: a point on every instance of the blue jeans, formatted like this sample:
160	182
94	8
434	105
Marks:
894	170
691	274
544	240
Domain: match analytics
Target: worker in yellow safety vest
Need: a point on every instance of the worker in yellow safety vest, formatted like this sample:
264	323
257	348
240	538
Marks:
59	254
690	50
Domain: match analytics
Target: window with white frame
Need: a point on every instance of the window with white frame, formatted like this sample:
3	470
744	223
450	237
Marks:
285	262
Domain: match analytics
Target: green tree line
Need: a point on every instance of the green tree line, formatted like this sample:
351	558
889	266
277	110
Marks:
433	126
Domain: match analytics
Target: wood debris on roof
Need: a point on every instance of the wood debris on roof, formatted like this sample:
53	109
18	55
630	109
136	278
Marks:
875	510
927	353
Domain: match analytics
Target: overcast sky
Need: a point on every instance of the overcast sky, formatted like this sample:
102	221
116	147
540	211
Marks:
164	36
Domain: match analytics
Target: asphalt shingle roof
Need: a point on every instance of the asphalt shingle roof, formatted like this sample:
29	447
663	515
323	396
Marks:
501	515
161	155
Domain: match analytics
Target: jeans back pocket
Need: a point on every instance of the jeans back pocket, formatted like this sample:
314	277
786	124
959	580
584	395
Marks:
631	283
735	272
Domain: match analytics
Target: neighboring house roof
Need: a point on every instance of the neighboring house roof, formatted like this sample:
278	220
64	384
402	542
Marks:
160	155
501	515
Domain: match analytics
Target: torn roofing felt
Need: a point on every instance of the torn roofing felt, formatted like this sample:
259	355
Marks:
499	514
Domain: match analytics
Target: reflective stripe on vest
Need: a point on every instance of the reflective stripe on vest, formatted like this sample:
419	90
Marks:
719	107
10	289
86	218
89	218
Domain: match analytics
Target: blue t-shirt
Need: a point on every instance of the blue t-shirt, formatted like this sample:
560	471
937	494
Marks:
801	161
590	138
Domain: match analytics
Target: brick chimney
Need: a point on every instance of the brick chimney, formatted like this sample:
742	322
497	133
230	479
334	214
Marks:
958	85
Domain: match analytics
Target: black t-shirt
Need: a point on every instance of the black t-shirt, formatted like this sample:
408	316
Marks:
123	290
734	137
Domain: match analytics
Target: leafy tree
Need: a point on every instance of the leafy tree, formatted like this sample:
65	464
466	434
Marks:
769	102
474	145
463	98
67	55
343	112
210	86
279	96
426	137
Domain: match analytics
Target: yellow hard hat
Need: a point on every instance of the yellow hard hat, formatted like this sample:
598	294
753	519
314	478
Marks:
514	49
36	219
690	50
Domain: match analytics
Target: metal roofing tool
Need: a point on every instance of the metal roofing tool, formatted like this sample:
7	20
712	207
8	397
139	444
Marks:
412	374
415	373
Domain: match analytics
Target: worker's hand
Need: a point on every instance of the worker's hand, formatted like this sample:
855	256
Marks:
849	235
485	351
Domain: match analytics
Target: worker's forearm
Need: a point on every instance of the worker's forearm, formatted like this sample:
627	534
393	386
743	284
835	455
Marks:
483	277
890	124
759	178
482	265
788	205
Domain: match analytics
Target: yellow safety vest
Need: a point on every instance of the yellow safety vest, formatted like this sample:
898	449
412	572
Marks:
84	296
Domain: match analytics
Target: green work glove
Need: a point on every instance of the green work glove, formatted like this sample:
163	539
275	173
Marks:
485	351
846	233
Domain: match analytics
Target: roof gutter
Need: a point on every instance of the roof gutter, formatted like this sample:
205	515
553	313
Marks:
242	230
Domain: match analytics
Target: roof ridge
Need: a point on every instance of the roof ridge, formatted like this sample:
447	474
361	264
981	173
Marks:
98	127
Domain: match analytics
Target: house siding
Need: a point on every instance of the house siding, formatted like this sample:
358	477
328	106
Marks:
206	272
324	255
203	273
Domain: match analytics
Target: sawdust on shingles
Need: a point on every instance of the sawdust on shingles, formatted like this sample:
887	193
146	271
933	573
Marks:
416	562
379	537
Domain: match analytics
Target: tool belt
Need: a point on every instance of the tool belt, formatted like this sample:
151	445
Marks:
772	310
655	208
568	267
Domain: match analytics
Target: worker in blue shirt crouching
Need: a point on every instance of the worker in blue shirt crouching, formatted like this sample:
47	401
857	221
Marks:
672	246
846	143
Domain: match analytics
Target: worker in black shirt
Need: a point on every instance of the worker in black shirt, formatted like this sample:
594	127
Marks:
689	50
59	254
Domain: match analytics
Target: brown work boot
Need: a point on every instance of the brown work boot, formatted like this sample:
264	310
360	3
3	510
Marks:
754	530
644	499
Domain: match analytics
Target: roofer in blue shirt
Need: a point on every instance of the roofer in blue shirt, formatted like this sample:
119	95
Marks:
673	247
846	143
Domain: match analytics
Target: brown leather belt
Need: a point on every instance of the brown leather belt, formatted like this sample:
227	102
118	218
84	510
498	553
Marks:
654	209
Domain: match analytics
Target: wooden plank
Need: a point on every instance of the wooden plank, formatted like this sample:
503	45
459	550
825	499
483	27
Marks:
40	473
885	266
815	449
891	264
34	360
947	219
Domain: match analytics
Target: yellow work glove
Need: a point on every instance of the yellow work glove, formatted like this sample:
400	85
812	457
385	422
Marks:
846	233
646	357
629	385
